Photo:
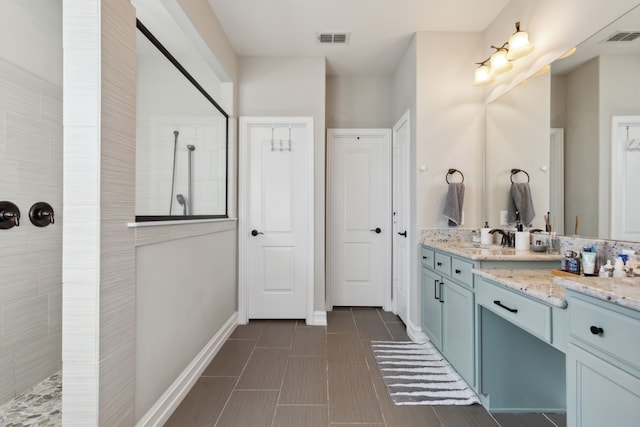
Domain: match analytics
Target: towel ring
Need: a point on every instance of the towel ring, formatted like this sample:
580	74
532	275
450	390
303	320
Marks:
450	172
515	171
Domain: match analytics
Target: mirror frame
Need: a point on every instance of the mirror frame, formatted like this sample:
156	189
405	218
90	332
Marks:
146	218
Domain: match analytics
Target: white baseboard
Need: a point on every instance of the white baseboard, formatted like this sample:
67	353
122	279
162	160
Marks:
319	318
415	333
160	412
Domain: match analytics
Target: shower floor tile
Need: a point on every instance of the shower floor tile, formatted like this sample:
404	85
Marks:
39	406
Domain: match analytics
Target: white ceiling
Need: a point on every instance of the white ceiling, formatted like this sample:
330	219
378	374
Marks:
380	29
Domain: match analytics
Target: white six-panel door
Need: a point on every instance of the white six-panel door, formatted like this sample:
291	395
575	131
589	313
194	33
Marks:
276	224
359	201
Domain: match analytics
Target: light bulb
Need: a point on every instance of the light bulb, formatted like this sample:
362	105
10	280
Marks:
519	45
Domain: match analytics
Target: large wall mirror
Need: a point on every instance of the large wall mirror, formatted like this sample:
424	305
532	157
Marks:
573	131
181	140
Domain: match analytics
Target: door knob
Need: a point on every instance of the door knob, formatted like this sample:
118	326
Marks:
9	215
41	214
254	233
378	230
403	234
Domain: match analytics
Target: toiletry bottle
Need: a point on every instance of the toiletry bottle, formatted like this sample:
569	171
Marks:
486	238
608	268
618	268
602	272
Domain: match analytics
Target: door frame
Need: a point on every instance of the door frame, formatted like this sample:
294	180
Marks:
243	210
355	132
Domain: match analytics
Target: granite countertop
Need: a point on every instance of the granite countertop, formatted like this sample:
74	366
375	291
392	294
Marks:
493	253
538	284
624	292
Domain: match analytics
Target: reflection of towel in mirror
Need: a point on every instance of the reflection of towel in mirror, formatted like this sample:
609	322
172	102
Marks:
453	205
520	200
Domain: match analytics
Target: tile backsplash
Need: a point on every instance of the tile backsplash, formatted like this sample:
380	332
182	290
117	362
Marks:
30	256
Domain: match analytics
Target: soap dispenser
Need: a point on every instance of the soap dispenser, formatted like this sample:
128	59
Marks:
618	268
486	238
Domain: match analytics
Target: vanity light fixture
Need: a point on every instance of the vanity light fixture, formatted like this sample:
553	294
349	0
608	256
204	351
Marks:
516	47
519	45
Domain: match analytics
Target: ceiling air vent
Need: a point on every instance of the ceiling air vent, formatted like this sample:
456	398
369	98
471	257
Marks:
333	38
624	36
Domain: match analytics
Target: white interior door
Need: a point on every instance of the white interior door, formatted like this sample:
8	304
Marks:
276	228
625	175
359	216
401	252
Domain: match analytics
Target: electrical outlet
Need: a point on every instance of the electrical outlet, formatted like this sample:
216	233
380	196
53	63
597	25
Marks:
503	218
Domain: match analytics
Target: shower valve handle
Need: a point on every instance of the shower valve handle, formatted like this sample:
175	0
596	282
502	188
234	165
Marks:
254	233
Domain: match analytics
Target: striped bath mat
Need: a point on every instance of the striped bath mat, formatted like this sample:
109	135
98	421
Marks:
417	374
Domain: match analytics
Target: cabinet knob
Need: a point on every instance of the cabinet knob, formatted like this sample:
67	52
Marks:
458	271
595	330
439	264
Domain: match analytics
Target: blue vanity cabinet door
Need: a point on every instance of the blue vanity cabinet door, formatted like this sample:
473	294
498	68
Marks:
458	329
598	393
432	306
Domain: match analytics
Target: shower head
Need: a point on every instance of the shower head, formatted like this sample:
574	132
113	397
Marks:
191	147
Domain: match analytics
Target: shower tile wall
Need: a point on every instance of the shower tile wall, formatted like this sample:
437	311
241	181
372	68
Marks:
30	256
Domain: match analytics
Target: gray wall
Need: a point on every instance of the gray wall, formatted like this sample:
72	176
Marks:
359	102
30	161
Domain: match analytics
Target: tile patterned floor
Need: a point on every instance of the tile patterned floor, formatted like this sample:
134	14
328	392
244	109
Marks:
285	374
39	406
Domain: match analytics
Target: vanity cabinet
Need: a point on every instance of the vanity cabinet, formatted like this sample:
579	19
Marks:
448	309
603	363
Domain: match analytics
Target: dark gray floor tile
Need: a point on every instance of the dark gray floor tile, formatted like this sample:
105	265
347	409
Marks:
359	425
249	408
560	420
341	308
398	331
301	416
252	330
345	349
365	312
522	420
403	415
309	341
372	329
231	358
388	316
265	369
277	333
471	415
204	403
305	381
340	321
352	398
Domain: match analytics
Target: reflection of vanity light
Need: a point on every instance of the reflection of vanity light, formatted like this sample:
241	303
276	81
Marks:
543	70
568	53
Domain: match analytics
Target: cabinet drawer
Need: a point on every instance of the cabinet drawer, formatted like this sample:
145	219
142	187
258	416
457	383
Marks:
427	257
462	271
607	330
443	264
530	315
